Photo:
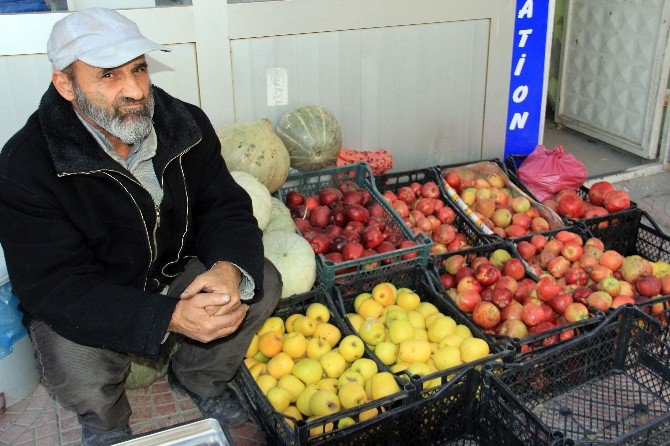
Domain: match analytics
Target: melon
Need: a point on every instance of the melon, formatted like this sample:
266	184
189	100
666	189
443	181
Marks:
280	218
312	137
255	148
292	255
260	196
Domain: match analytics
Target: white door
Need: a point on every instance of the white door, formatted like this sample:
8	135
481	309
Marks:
614	71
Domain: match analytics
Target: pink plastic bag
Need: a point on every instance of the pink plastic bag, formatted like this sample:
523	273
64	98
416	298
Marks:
545	172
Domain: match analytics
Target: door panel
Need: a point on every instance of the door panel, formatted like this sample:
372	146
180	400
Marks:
612	71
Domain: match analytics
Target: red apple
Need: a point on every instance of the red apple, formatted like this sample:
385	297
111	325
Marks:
616	200
454	263
600	300
546	289
576	276
558	266
511	311
408	255
430	190
572	251
446	215
571	206
648	286
514	328
486	315
352	250
320	216
501	297
487	274
559	303
532	314
466	300
576	312
328	196
598	191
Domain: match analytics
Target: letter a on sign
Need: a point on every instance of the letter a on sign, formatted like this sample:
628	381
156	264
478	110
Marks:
527	10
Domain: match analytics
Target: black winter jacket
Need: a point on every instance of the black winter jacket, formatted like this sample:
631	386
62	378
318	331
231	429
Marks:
84	247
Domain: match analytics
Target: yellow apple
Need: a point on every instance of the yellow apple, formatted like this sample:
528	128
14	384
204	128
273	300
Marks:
320	429
400	331
384	293
420	334
396	314
366	367
356	321
292	412
387	352
288	324
383	384
447	357
302	401
426	309
345	422
258	369
324	402
351	348
319	312
280	365
350	376
372	331
328	332
305	325
399	367
272	323
418	368
408	300
253	347
366	415
308	370
333	364
441	327
317	347
269	343
279	398
416	319
414	350
463	331
432	318
260	357
370	309
331	384
294	344
473	349
266	382
360	299
250	361
352	395
453	340
293	384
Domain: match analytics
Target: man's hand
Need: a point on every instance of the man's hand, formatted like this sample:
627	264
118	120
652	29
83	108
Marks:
192	319
210	306
223	278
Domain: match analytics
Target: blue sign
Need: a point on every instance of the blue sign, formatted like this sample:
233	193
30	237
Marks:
524	115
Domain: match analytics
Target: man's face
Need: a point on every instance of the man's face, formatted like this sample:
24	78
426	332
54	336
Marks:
119	100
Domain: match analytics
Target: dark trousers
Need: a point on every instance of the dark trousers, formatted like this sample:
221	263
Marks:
91	380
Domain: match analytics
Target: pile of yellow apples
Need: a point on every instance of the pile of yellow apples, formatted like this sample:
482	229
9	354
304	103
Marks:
409	335
307	370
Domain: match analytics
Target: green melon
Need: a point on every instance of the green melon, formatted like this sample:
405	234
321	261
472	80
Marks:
312	137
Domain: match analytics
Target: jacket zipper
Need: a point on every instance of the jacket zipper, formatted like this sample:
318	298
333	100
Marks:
139	210
181	246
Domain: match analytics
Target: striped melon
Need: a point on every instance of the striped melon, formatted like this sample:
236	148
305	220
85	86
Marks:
312	137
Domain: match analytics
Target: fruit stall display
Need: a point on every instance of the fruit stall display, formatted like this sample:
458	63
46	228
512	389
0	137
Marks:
309	380
347	223
409	328
608	386
495	200
419	201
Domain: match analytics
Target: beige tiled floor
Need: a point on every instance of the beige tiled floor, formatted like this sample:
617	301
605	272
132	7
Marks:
40	420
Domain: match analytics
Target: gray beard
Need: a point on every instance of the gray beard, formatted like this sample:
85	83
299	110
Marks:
130	127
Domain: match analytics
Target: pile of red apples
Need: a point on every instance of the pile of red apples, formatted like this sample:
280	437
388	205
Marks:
423	210
345	223
577	278
493	202
603	199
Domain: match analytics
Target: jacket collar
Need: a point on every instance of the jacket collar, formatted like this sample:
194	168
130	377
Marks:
74	150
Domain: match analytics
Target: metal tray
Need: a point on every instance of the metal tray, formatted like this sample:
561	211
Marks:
205	432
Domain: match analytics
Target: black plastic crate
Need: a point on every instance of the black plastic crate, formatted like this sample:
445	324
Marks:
610	386
534	343
612	226
394	181
517	188
329	273
280	429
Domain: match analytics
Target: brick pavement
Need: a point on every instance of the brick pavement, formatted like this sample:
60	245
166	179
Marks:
39	420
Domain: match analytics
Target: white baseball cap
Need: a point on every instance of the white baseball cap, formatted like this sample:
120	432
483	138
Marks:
100	37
